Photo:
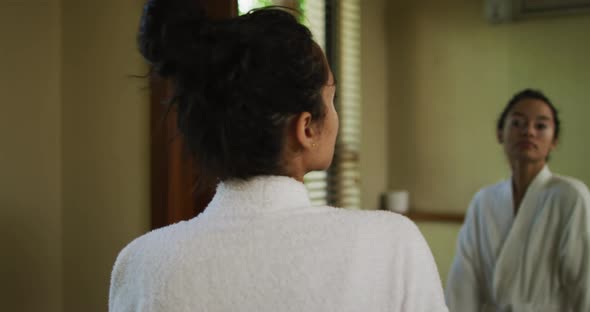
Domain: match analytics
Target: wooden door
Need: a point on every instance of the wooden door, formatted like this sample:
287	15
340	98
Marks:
173	174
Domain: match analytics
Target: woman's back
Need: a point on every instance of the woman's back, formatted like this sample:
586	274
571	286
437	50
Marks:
254	97
260	246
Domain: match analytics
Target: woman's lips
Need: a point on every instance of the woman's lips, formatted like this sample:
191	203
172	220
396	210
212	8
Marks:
526	145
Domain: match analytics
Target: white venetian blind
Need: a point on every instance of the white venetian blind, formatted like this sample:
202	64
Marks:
344	175
314	17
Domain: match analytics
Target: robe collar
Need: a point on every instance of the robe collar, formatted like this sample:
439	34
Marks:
506	267
540	179
258	195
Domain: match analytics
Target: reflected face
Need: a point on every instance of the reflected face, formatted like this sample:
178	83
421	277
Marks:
328	129
529	132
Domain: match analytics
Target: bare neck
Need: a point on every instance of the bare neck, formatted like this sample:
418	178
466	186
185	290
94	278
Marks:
523	174
293	166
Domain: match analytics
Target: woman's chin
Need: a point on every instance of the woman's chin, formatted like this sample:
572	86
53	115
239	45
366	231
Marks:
527	157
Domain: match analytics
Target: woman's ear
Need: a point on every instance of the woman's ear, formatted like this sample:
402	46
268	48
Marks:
305	132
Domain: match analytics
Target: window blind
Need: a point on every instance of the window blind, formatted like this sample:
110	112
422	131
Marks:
344	174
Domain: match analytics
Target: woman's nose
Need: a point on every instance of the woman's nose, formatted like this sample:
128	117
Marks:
528	129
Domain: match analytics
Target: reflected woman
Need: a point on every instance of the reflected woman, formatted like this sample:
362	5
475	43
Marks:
525	244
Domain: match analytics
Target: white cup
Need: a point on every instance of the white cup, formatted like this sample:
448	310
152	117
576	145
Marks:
397	201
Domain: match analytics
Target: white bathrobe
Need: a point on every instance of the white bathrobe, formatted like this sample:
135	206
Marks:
261	246
537	261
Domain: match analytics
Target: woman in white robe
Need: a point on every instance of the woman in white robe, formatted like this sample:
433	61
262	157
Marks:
525	243
254	95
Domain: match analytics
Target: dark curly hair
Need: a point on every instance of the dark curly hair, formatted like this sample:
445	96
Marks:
236	82
529	94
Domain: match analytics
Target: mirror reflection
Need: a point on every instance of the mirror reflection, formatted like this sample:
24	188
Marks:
88	164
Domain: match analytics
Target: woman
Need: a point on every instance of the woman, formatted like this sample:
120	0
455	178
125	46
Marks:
525	243
254	96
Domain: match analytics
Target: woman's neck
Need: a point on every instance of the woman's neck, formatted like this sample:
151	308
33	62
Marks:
523	174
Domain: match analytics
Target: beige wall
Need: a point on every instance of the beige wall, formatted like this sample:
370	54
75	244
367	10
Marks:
450	74
441	238
74	158
30	156
105	145
374	160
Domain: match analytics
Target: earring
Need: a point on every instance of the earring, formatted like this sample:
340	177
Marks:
313	145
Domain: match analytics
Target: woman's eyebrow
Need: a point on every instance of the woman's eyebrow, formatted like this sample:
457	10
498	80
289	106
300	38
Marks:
519	114
542	117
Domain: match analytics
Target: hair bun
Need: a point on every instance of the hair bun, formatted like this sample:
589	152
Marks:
159	35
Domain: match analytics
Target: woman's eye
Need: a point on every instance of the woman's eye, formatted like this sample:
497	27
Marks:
515	123
541	126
